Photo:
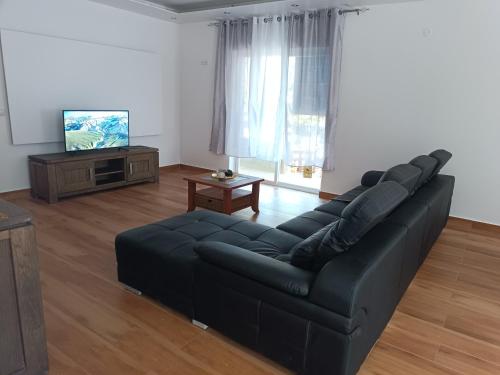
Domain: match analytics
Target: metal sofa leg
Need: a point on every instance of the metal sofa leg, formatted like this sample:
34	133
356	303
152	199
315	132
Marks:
199	324
132	290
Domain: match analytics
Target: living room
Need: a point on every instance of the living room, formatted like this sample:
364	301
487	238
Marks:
410	98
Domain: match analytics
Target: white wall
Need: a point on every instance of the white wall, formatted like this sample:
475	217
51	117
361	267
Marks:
402	94
92	22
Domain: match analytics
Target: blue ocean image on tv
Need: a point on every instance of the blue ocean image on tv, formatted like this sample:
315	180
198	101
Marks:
89	130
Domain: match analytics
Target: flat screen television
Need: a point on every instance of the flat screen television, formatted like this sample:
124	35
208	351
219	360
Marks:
95	130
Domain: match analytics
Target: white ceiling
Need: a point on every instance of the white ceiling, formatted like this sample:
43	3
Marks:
182	6
184	11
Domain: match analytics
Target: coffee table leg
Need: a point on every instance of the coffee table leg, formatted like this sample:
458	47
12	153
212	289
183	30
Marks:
255	197
227	198
191	193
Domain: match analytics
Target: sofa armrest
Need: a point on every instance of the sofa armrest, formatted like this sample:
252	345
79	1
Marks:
364	278
337	286
371	178
260	268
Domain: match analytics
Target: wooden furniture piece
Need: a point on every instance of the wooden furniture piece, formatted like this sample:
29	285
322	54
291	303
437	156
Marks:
23	349
60	175
223	196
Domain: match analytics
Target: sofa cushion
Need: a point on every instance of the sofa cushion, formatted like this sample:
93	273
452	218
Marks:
404	174
334	207
361	215
427	164
442	157
162	253
308	223
352	194
303	254
276	238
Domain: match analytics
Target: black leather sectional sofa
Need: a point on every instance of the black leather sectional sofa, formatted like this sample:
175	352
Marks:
313	294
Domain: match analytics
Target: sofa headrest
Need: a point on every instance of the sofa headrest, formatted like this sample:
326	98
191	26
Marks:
358	218
427	164
371	178
404	174
305	253
442	157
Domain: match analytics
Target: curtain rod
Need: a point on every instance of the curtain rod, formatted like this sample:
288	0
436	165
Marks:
358	11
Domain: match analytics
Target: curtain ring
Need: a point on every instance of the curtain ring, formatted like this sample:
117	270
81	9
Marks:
279	18
311	15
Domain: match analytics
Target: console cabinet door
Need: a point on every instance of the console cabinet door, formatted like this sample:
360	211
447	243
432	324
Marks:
75	176
140	167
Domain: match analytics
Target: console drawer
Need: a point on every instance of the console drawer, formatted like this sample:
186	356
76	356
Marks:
208	202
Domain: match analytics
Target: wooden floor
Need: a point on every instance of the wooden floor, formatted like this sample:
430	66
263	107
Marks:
447	323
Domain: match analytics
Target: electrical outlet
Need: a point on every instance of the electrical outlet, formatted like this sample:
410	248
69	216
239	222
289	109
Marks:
204	62
427	32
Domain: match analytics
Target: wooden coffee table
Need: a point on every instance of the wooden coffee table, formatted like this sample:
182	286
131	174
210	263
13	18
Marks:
223	196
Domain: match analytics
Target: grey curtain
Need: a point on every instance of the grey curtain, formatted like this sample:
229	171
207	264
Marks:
315	51
308	55
337	24
218	137
231	76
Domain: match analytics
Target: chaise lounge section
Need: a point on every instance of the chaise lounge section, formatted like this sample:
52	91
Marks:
313	294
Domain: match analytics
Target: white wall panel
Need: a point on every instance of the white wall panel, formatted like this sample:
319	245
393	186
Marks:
47	74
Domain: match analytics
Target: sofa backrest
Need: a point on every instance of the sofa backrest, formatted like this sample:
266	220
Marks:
404	174
359	217
364	207
364	213
370	275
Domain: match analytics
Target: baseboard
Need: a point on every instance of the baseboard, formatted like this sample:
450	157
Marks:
472	225
23	193
453	222
185	167
172	167
328	196
196	169
14	194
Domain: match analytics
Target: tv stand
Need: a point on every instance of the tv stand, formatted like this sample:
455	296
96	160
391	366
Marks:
65	174
129	148
90	152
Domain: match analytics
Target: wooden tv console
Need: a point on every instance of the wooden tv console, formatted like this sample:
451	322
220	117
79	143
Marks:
65	174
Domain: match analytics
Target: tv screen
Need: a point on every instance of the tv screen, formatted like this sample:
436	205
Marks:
94	130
